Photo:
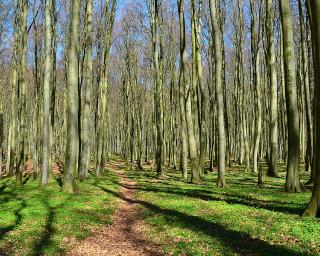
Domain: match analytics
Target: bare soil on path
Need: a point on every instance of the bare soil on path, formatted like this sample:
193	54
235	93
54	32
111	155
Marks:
124	237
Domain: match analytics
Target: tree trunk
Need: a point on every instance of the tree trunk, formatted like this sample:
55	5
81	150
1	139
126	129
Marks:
273	165
72	144
221	183
314	205
292	180
158	88
22	83
307	99
46	98
193	153
85	140
183	57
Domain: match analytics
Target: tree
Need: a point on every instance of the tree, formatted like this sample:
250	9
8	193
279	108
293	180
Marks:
255	51
182	81
72	143
14	90
273	165
46	98
103	85
203	94
307	99
292	180
219	94
195	172
314	12
158	86
22	76
85	140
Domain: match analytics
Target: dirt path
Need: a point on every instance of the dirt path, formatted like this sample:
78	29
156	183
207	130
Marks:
124	237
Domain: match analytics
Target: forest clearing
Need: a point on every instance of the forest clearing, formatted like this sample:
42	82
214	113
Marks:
159	127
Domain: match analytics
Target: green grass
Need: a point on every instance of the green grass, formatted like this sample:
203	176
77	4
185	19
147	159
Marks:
36	221
242	219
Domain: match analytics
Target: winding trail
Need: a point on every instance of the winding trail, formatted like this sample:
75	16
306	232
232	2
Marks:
124	237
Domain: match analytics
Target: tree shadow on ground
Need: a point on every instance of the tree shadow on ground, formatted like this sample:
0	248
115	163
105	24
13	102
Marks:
240	242
5	230
231	198
18	219
48	232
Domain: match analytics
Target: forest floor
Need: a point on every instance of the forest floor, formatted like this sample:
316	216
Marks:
124	236
128	211
35	221
242	219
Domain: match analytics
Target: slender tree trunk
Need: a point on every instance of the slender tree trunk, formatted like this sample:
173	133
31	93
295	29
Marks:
193	153
273	165
255	51
22	97
182	81
221	183
203	99
258	118
158	88
72	144
307	99
102	124
85	141
46	98
12	145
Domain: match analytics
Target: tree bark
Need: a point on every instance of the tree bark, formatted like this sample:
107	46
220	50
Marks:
85	141
22	97
273	165
314	205
72	144
221	183
292	180
46	97
182	103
